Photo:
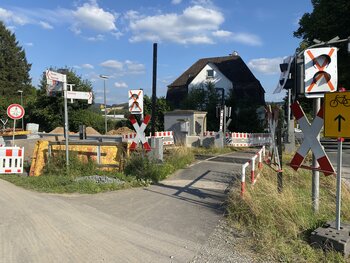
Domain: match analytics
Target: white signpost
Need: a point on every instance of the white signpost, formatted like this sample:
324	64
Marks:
52	78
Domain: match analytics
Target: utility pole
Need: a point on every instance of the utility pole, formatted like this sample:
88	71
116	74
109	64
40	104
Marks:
21	92
154	90
104	77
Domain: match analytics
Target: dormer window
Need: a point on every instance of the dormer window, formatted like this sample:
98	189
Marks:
210	73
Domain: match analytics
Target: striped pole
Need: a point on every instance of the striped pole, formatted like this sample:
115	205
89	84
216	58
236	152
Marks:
260	158
243	178
252	172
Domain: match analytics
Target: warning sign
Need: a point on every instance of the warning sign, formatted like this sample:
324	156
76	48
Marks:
136	101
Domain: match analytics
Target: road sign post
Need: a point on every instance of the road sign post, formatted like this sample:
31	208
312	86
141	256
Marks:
15	112
339	168
53	77
337	120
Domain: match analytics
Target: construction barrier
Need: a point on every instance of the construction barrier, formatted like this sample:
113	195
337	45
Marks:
11	160
243	139
168	137
260	155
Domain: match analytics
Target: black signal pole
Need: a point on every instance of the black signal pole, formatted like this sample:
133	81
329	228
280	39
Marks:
154	90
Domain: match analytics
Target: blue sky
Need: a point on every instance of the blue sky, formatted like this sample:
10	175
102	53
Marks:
116	38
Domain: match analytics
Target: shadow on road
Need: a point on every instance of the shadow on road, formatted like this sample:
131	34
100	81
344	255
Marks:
211	198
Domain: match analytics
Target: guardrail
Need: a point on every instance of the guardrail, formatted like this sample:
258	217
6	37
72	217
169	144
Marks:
100	138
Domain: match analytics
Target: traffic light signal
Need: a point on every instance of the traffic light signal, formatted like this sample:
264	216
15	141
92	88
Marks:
320	71
285	81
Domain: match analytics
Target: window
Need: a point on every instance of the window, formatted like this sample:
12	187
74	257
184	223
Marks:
210	74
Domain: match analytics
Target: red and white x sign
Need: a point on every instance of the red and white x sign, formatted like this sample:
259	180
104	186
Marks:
140	135
310	141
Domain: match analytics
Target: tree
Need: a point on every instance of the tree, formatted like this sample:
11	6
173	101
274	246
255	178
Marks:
327	20
161	107
204	98
14	69
244	115
48	111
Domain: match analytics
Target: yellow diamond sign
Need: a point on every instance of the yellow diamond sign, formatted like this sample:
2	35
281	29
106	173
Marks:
337	114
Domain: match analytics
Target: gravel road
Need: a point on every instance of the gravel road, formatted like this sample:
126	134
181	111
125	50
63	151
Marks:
174	221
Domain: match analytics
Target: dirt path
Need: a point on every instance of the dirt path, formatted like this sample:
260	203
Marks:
168	222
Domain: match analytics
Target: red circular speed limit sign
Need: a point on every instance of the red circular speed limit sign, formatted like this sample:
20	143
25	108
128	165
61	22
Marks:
15	111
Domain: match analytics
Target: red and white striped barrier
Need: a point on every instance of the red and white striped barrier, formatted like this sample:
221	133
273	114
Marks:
11	160
310	141
243	139
168	137
239	139
260	155
129	136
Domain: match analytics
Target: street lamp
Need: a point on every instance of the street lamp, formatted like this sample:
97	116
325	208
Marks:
21	91
104	77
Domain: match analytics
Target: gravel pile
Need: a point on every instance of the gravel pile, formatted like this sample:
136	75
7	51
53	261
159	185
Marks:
100	179
224	246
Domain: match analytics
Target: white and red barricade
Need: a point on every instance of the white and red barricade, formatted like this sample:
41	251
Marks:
168	137
243	139
129	137
310	141
11	160
260	155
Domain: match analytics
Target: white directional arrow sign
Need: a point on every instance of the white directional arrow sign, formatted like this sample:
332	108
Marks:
80	95
55	76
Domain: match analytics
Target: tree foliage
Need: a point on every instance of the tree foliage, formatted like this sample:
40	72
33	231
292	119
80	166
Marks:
243	114
14	68
327	20
204	98
161	107
14	71
48	111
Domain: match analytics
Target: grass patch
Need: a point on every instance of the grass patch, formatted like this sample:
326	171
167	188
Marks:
57	178
139	171
282	222
148	169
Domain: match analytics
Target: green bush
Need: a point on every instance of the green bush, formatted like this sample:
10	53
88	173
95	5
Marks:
57	166
144	168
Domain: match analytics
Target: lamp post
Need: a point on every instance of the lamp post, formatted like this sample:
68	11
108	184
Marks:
104	77
21	91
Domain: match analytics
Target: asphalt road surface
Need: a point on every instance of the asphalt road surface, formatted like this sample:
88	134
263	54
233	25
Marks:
168	222
332	155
